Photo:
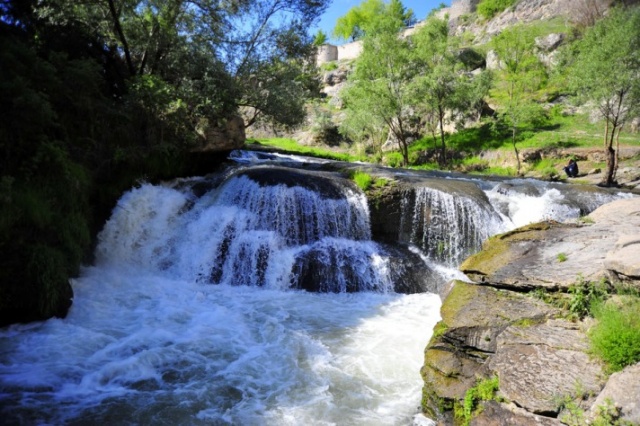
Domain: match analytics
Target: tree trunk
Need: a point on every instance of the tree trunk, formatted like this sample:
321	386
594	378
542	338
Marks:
123	40
609	178
443	147
515	149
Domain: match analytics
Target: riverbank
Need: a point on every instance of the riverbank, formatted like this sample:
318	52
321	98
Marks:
517	330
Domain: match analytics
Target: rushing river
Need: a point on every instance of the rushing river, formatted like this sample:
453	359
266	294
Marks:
193	315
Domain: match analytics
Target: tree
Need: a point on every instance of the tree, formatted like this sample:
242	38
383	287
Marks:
607	72
205	50
100	93
320	38
380	84
522	75
440	85
353	24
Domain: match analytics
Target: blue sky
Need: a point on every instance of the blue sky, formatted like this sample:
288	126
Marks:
340	7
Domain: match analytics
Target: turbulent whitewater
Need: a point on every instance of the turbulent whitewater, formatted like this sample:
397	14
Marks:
256	296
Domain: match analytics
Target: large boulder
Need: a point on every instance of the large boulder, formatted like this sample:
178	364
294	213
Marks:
623	391
473	316
540	364
543	362
552	255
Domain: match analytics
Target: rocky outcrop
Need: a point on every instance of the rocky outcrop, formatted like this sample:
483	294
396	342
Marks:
495	327
528	258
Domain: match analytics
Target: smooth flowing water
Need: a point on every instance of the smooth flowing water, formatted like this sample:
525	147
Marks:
193	314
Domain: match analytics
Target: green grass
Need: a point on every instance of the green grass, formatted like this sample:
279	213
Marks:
562	257
291	146
362	179
616	336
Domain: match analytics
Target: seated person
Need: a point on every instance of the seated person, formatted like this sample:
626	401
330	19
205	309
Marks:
571	169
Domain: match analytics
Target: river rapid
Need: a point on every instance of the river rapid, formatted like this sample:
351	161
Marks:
189	316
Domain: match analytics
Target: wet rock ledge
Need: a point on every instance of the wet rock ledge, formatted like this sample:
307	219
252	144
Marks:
496	327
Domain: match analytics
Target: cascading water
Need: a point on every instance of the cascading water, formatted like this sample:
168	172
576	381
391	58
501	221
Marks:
448	227
169	328
242	233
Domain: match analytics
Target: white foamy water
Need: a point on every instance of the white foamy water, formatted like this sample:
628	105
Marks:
139	348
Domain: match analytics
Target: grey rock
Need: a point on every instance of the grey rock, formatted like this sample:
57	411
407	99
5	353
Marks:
550	42
529	258
623	389
541	364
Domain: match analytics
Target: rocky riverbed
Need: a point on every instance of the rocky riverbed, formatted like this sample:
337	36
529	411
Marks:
496	327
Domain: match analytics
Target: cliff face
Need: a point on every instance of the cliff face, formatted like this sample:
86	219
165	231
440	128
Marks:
496	328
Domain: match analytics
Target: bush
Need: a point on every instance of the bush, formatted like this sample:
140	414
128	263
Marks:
585	295
616	336
490	8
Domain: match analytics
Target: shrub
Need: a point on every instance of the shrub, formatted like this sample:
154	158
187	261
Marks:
616	336
490	8
585	295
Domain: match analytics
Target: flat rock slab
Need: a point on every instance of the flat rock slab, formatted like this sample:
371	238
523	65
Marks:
541	364
553	255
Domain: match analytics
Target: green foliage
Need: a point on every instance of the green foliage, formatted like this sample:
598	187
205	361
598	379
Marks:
585	295
616	336
291	146
485	390
320	38
572	415
605	415
605	71
521	76
329	66
562	257
362	179
490	8
379	91
547	168
360	19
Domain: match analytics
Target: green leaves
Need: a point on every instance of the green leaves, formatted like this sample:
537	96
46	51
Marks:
364	18
490	8
606	70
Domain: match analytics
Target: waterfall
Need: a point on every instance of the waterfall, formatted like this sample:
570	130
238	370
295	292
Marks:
168	326
447	227
242	233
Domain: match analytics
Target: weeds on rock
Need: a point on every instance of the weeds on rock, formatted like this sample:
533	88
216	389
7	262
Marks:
484	390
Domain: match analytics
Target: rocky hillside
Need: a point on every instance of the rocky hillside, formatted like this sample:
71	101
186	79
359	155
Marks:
535	355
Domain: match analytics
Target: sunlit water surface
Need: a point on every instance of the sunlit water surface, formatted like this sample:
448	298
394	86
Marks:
140	348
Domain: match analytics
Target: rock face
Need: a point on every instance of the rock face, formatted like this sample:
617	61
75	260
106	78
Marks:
528	258
624	389
495	327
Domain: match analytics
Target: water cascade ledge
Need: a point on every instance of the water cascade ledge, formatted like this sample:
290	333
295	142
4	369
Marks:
170	326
